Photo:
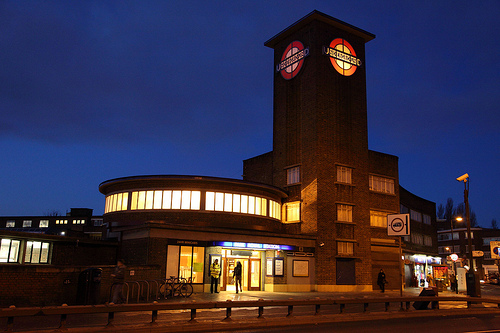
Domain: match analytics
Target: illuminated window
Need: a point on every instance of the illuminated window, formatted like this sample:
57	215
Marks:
244	204
344	175
61	221
44	223
191	263
292	211
195	200
27	224
236	203
10	224
344	213
158	199
251	205
228	202
37	252
382	184
149	200
9	250
293	175
141	200
78	221
274	210
167	200
210	201
378	219
345	248
219	201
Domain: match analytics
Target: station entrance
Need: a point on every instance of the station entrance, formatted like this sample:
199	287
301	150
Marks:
251	269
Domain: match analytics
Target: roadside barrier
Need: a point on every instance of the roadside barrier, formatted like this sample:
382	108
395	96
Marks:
64	311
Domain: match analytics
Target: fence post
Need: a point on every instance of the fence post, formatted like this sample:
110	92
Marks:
10	324
111	318
62	323
154	316
193	315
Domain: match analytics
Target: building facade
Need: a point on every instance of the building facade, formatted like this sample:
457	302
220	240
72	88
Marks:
324	195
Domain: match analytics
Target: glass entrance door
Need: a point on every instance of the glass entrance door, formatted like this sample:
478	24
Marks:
254	274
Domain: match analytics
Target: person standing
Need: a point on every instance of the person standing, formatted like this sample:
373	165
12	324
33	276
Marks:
381	281
214	276
237	276
118	282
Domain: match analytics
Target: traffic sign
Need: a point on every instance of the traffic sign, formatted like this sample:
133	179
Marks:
495	249
477	253
398	225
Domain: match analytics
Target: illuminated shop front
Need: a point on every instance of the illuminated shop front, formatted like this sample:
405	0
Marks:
419	266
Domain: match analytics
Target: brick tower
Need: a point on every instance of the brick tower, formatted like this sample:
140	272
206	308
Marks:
320	151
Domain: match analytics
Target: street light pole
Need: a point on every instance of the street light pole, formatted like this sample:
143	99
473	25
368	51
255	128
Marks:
473	288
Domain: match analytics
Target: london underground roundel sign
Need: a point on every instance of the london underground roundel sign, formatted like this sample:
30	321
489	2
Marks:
292	60
342	56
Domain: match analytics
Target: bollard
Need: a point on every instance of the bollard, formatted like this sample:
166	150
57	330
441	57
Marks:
365	307
317	308
342	306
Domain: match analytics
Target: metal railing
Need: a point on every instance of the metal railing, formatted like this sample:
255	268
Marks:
64	311
149	290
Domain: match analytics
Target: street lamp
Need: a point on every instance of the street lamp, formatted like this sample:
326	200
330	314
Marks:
473	288
454	255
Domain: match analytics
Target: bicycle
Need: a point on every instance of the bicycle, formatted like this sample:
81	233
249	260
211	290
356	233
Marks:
174	287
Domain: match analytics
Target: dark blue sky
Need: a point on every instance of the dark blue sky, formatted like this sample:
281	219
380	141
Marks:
95	90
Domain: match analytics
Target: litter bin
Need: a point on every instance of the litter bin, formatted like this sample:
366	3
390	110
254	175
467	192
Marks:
422	305
89	286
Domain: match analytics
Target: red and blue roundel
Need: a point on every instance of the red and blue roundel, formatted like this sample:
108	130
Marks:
292	60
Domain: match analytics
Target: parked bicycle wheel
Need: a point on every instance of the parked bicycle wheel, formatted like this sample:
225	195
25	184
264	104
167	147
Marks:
186	290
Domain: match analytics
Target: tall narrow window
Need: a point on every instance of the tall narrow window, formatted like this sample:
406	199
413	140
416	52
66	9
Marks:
344	175
344	213
292	211
293	175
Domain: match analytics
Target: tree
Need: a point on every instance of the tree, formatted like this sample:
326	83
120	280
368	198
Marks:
473	219
53	213
448	211
494	224
440	211
460	210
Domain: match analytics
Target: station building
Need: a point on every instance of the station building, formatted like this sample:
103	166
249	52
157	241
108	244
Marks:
310	215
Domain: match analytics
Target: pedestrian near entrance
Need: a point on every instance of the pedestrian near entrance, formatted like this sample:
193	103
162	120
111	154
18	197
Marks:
118	282
237	276
381	281
214	276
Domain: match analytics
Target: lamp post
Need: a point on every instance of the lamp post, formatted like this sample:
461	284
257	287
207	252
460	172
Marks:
473	288
459	219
